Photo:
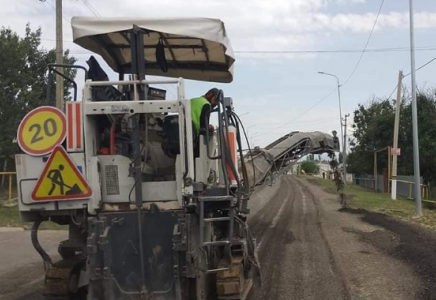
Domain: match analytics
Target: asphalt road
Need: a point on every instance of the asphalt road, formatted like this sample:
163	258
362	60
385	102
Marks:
309	248
21	268
296	258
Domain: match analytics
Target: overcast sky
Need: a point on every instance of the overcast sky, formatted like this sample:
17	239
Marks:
271	90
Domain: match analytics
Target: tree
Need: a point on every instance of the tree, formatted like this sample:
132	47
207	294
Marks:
426	104
373	130
23	81
309	167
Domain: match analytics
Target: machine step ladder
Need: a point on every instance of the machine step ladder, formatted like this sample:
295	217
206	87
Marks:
203	221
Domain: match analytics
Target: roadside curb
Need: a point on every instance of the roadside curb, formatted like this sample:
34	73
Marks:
11	229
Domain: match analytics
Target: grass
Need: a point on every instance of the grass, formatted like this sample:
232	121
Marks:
10	217
363	198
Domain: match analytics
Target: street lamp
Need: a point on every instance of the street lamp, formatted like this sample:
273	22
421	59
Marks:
415	117
344	153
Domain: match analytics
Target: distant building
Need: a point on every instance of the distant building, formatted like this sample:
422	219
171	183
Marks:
325	171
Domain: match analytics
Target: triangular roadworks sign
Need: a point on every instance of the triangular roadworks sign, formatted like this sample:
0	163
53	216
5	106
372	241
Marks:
61	179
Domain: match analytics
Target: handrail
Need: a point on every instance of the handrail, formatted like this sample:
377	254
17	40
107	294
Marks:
137	84
405	181
130	82
424	188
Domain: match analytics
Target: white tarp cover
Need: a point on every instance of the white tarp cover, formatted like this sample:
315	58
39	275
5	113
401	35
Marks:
195	48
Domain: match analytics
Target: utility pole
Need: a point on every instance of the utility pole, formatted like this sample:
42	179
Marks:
59	56
415	117
344	150
395	144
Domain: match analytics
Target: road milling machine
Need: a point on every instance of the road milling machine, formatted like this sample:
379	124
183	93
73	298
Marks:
154	210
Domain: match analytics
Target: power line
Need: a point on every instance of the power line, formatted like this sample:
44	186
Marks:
424	65
366	45
421	67
54	40
92	9
269	127
389	97
349	77
299	116
49	4
346	81
259	132
376	50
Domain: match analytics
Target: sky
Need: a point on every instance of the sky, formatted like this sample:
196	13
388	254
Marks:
276	93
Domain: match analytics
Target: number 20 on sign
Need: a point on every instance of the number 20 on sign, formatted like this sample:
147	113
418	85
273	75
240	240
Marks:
42	130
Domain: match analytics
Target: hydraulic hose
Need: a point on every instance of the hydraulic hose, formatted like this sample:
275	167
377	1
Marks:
249	151
35	242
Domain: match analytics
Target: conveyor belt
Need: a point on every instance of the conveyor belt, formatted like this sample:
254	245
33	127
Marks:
282	153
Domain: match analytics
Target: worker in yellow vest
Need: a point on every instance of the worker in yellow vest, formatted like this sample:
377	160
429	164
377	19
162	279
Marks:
199	110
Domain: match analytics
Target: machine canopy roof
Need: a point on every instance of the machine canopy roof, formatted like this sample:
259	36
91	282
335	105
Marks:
193	48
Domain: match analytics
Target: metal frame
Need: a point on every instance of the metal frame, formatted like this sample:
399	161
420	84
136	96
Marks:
181	106
130	107
135	42
51	68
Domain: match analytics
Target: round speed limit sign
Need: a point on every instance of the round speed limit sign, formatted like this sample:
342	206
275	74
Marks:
42	130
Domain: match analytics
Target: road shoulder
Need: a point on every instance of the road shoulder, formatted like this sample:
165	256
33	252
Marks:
363	252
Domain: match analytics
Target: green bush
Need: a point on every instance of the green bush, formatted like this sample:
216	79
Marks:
309	167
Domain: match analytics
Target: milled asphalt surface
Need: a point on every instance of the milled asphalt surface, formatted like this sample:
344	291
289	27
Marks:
296	259
309	248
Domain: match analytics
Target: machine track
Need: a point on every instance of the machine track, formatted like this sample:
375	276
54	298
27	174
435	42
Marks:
61	280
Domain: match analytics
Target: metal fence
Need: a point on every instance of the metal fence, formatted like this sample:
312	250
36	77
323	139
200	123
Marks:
405	185
365	182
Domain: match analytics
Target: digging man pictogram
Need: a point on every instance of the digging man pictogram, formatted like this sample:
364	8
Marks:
57	180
